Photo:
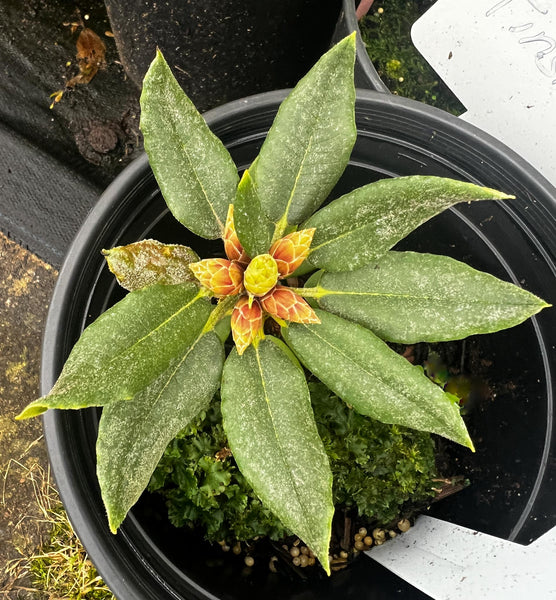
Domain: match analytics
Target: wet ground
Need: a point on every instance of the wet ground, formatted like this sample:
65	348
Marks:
26	285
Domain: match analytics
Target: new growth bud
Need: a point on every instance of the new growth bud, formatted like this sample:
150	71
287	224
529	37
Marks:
261	275
281	302
222	277
291	250
247	323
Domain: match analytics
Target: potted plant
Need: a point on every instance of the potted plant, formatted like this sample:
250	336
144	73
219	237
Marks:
138	544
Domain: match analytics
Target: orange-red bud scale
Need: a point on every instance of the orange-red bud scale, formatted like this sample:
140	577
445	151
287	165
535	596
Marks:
232	246
281	302
223	277
291	250
247	323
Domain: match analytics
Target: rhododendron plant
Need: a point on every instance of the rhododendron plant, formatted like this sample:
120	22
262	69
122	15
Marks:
299	282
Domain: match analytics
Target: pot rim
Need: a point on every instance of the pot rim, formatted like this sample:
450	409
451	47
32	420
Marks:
365	73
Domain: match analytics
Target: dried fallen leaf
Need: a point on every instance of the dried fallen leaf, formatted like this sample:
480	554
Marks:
91	56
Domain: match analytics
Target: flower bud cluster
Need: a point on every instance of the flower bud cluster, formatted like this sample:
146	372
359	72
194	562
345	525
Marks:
255	280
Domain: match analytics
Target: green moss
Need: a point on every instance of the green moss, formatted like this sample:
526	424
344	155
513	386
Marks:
203	486
386	33
377	468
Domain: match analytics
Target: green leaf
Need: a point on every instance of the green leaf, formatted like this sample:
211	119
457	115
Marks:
304	269
363	225
408	297
223	328
195	172
253	229
362	370
148	262
133	434
287	351
310	141
271	431
127	347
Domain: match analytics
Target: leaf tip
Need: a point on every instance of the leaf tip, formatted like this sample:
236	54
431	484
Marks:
349	43
324	558
30	411
498	195
245	178
157	62
469	444
465	438
115	519
113	527
539	305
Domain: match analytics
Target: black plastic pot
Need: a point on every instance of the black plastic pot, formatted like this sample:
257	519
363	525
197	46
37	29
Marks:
366	76
252	46
513	488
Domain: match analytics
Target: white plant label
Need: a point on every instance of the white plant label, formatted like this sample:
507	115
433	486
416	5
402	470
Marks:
499	59
450	562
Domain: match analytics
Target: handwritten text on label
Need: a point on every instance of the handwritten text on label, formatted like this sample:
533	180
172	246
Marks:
545	57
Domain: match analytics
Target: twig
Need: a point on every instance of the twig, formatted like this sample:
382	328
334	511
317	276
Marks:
363	8
345	543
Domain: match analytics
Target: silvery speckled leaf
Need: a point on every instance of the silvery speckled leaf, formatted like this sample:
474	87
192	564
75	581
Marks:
409	297
362	370
253	228
361	226
310	141
133	435
194	171
148	262
269	421
127	347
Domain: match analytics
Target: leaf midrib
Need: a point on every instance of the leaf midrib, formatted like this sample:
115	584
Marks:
341	235
182	146
317	118
299	499
157	328
372	375
300	170
173	374
452	300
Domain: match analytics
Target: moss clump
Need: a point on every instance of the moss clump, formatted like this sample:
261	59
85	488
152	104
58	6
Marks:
377	468
204	488
386	33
